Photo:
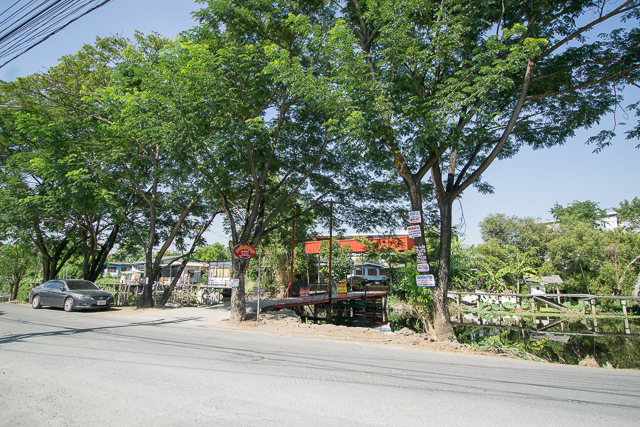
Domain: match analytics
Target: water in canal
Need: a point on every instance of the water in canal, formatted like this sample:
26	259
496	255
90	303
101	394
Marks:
556	339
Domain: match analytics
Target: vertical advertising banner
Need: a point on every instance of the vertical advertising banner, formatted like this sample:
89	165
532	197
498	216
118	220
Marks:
342	289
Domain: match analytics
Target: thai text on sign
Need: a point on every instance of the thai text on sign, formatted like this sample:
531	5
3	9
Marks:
414	231
415	217
342	289
426	280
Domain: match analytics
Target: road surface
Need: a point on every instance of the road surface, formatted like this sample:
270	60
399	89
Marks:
88	369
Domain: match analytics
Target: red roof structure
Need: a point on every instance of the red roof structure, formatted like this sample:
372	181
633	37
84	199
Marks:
401	243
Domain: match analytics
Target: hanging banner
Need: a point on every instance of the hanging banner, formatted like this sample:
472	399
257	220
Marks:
421	254
423	268
342	289
414	231
244	251
415	217
426	280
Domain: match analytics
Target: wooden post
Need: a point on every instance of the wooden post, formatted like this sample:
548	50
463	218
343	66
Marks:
315	313
624	307
533	304
593	306
584	307
458	300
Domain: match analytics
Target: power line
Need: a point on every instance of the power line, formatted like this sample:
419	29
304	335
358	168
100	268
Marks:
27	23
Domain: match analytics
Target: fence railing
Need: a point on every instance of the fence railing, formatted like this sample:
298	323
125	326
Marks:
536	300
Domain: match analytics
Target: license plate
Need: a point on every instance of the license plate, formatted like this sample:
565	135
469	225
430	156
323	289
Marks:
102	303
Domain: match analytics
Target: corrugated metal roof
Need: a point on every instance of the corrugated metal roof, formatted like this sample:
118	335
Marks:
400	243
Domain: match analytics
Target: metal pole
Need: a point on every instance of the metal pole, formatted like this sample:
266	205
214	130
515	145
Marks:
259	271
293	248
330	256
583	278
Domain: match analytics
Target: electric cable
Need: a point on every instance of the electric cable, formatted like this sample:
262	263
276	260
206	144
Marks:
27	23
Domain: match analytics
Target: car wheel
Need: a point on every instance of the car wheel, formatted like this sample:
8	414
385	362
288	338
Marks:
35	302
68	304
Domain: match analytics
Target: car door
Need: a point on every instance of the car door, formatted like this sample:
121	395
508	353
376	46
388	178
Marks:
57	295
45	293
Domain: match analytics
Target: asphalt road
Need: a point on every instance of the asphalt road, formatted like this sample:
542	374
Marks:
80	369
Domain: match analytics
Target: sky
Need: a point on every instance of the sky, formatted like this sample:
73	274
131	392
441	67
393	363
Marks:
528	184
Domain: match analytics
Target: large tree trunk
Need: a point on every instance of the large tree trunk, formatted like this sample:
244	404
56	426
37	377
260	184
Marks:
146	297
416	205
443	328
95	263
238	303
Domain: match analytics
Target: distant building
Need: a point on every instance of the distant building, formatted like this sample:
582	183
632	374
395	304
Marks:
534	286
192	272
370	272
116	269
398	243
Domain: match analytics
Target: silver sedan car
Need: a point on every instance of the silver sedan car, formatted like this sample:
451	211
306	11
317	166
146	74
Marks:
70	294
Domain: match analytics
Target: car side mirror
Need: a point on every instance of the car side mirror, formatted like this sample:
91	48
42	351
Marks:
62	288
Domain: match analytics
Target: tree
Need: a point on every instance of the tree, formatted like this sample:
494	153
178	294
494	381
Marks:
588	212
449	88
15	262
629	217
215	252
49	198
341	262
629	214
528	235
156	115
277	157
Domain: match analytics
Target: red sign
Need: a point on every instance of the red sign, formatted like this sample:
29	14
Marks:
244	251
304	293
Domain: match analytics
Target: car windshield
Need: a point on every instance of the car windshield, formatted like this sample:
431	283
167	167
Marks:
77	285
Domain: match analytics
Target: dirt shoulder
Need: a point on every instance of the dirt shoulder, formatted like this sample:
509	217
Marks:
287	323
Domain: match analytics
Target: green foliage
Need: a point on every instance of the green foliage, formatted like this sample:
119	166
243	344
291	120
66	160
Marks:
341	262
16	261
587	257
215	252
587	212
629	214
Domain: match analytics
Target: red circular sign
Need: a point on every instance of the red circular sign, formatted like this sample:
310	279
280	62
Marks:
244	251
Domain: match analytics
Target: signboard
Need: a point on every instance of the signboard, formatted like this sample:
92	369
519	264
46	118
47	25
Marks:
218	281
342	289
426	280
415	217
304	293
423	268
234	283
244	251
414	231
255	291
421	254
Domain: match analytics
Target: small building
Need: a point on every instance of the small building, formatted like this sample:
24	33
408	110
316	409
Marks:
219	273
192	272
399	243
534	286
370	272
116	269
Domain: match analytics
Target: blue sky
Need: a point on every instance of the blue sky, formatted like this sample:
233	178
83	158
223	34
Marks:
527	185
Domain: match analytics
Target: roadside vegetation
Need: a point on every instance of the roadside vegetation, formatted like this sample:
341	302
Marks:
267	112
